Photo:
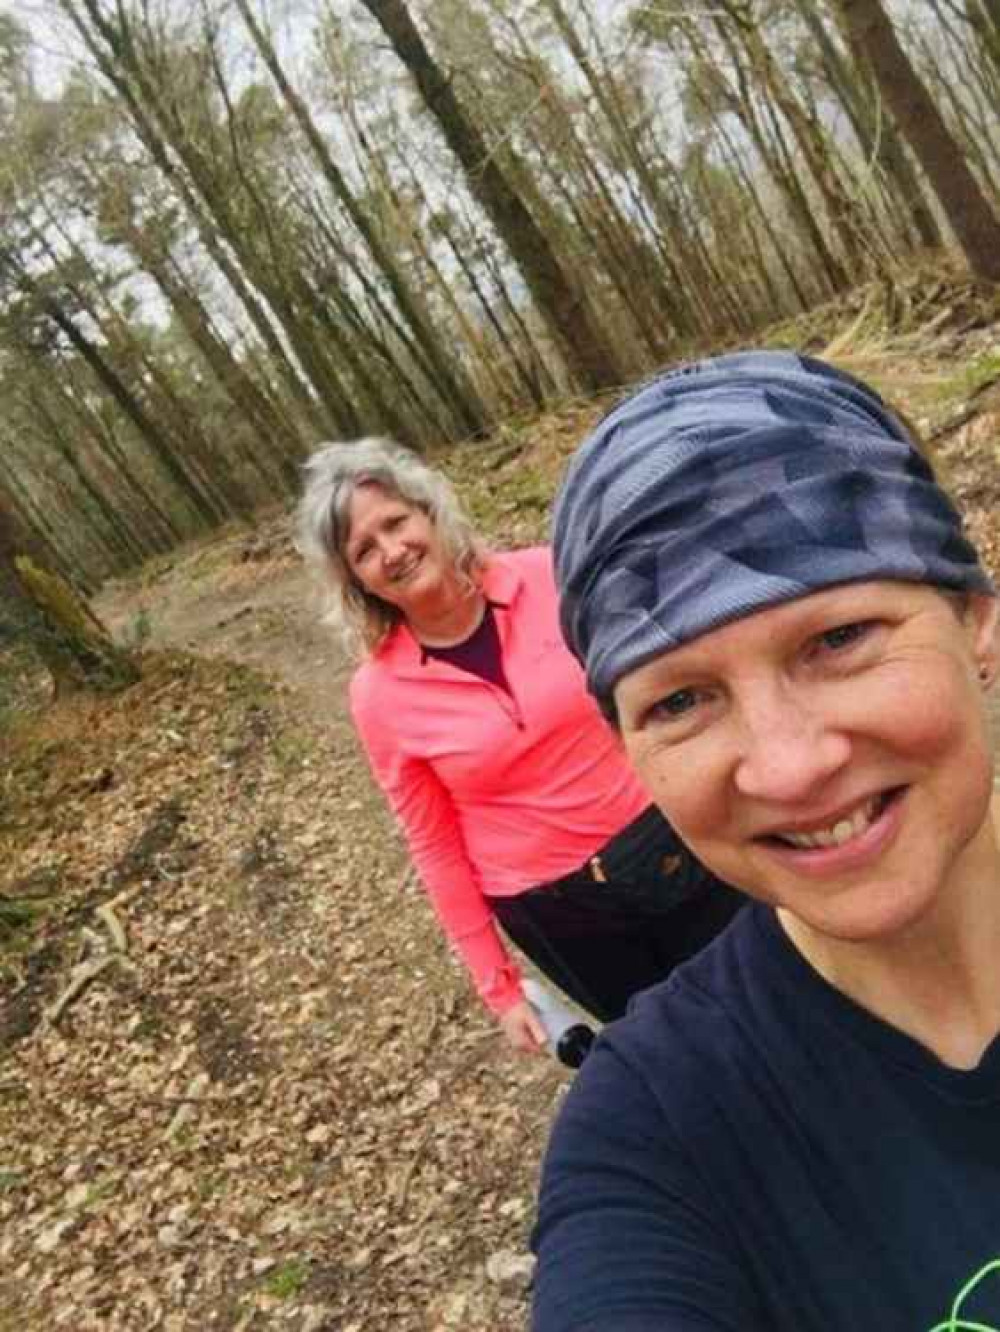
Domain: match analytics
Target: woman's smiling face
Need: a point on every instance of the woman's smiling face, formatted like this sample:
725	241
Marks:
829	756
394	550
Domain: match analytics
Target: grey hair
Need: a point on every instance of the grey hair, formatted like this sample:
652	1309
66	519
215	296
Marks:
333	474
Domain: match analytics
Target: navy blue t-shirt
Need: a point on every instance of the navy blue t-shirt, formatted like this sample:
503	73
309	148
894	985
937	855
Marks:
751	1151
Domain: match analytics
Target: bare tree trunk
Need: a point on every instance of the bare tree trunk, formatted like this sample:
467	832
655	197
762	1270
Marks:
809	138
872	37
108	377
56	546
662	214
563	307
469	410
770	146
131	541
778	246
878	141
115	53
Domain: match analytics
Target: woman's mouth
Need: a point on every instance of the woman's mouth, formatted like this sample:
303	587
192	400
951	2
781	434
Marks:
848	827
404	571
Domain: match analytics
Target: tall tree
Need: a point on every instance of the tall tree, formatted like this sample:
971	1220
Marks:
471	411
563	305
873	38
877	136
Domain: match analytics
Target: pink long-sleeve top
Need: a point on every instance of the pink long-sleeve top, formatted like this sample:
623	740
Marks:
496	792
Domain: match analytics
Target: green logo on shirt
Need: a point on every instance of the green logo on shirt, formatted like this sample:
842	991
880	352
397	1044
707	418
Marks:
958	1322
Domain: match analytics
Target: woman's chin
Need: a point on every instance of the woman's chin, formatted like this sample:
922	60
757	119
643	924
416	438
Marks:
881	911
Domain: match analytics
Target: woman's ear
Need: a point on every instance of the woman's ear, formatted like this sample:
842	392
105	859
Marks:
983	618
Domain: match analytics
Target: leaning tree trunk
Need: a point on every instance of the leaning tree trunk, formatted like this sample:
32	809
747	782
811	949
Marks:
873	38
879	142
563	306
40	610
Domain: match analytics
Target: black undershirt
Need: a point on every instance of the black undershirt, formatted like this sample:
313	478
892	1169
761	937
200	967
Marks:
479	654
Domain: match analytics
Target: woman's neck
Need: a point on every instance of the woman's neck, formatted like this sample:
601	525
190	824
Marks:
450	620
939	981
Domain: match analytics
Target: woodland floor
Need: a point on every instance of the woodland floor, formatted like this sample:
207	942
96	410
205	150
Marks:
277	1106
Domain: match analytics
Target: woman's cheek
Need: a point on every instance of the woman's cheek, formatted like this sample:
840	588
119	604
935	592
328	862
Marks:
687	782
917	718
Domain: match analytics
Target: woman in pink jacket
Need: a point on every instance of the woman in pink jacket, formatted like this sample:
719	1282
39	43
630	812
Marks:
515	798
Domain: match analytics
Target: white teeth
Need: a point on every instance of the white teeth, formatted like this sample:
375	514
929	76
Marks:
842	831
405	572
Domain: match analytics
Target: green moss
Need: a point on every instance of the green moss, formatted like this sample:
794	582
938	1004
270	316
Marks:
247	684
183	1138
19	921
75	646
11	1319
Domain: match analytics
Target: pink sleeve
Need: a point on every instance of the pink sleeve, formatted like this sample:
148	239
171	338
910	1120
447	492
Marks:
424	809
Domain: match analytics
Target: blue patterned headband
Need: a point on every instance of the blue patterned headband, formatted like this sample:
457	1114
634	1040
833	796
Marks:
732	485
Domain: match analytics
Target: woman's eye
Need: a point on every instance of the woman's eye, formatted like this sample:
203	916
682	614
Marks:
844	635
674	705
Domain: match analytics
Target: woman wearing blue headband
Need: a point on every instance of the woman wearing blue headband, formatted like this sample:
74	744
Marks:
800	1130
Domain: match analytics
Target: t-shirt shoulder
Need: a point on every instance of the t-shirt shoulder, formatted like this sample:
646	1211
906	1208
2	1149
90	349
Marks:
624	1179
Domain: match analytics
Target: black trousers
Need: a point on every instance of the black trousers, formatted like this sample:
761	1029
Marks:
601	940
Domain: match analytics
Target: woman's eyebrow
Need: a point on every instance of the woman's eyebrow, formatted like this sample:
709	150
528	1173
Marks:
662	677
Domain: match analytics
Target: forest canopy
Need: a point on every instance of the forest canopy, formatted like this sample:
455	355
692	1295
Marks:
235	229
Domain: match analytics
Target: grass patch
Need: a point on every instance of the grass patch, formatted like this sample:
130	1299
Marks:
292	749
10	1317
137	631
209	1186
978	374
149	1028
24	685
16	913
287	1279
99	1191
247	685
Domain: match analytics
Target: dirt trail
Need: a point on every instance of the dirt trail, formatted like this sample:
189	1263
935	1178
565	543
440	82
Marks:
245	598
281	1107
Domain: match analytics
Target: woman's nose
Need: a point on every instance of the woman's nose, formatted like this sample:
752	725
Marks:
392	548
788	748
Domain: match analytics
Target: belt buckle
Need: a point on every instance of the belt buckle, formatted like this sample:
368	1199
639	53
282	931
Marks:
597	870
